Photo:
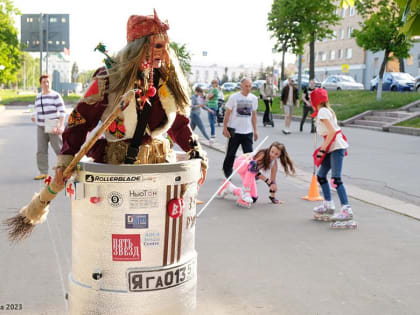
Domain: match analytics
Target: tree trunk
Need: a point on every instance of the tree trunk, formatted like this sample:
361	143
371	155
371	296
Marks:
312	58
282	77
381	75
402	66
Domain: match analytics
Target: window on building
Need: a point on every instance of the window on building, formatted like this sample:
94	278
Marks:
29	20
50	42
340	54
334	35
63	42
342	33
410	61
343	12
349	31
63	20
332	54
349	53
352	11
53	20
376	62
57	42
323	56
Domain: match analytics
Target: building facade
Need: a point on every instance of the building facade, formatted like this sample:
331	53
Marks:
341	54
206	73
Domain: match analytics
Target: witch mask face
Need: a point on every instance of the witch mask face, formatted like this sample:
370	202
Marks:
159	49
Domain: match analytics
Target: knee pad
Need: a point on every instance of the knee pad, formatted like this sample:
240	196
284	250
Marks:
322	180
336	182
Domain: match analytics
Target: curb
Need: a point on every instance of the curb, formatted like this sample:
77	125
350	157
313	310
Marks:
370	197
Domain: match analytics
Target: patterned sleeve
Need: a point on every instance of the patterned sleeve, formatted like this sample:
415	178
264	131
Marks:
59	103
82	120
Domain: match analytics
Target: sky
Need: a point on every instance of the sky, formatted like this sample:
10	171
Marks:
232	32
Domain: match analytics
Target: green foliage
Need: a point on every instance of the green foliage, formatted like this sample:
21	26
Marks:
28	71
9	44
183	55
296	22
85	77
411	16
380	29
414	123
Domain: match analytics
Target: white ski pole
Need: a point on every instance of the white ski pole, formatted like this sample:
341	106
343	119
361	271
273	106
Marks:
228	179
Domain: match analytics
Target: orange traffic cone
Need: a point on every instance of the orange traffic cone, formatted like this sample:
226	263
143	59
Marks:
313	194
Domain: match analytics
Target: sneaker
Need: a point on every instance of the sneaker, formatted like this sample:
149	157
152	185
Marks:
211	142
284	131
345	214
327	207
41	176
213	136
247	197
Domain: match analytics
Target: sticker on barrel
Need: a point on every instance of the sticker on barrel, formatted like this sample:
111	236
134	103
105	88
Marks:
141	280
126	247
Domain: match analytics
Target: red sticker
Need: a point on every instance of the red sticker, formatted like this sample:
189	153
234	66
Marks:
176	208
70	190
126	247
95	200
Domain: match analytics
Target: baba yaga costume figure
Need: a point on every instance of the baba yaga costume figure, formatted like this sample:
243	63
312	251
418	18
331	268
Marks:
262	165
139	97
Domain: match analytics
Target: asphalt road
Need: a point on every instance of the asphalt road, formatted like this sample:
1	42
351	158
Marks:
270	259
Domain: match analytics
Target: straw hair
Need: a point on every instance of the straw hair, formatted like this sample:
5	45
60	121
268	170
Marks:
18	228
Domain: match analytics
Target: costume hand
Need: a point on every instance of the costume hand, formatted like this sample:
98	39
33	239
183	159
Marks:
203	177
226	133
59	178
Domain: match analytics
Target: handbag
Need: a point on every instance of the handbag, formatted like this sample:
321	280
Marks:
319	158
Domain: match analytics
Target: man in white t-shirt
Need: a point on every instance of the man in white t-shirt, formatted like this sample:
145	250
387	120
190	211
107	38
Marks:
240	123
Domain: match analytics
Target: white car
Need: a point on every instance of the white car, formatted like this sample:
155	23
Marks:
341	82
228	86
203	86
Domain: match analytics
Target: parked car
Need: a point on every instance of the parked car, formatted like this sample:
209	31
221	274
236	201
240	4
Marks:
228	86
238	85
203	86
341	82
305	81
417	83
257	84
394	81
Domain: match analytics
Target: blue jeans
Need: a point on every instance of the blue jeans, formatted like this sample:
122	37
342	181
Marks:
212	120
195	120
334	162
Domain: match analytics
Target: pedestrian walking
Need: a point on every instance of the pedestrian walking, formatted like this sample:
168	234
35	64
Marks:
49	114
289	99
307	107
197	102
267	95
263	165
212	100
240	123
330	156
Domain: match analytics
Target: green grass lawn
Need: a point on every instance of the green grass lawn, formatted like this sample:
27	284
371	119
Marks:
414	123
350	103
12	97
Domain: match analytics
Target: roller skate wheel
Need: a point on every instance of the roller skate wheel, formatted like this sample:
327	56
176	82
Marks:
344	225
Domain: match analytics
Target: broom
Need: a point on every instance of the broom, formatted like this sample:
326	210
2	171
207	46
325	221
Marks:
21	226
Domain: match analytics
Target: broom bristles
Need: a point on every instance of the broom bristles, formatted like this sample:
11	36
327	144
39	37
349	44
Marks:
18	228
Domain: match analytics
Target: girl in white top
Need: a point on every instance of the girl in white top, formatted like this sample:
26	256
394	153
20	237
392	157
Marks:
334	148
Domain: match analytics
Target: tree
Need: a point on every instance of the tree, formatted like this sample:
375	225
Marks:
411	16
297	22
284	20
28	74
225	77
10	54
85	77
380	31
184	57
74	72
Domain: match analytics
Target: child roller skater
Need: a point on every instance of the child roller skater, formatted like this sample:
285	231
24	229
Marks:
329	156
263	165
